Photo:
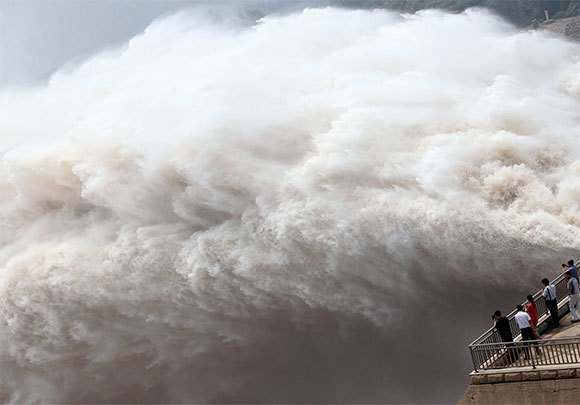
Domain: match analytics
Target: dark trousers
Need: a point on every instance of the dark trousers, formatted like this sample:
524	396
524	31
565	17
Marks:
511	351
528	334
553	308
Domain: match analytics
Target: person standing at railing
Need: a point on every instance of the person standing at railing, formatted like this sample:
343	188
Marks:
523	320
574	292
532	311
549	293
571	267
502	324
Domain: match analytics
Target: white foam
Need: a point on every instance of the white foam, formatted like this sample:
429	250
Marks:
165	202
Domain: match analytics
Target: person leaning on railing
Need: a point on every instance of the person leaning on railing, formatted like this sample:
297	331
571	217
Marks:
549	293
574	292
502	324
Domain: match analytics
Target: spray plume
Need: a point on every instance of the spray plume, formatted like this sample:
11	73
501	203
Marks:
319	207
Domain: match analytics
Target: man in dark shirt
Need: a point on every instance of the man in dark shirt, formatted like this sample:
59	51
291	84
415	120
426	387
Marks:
502	324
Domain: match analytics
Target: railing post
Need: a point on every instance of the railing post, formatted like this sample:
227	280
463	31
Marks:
473	359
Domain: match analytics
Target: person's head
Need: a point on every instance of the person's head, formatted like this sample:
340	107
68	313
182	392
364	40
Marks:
497	314
531	300
520	308
567	275
570	263
545	281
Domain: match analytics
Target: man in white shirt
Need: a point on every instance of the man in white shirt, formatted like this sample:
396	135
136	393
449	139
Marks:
549	293
523	320
574	292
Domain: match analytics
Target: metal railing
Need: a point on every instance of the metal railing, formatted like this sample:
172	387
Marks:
482	355
528	353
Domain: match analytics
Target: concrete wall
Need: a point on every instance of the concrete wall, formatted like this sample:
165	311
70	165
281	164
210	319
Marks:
558	391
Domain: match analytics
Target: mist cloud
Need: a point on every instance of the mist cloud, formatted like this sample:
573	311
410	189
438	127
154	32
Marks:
296	211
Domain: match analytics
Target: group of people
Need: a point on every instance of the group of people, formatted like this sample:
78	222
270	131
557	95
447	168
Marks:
527	317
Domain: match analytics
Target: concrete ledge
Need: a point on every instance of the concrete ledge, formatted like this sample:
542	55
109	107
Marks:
557	391
548	374
479	379
570	373
531	375
495	378
513	377
501	376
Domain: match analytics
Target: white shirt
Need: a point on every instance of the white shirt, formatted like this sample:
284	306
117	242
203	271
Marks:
523	320
549	292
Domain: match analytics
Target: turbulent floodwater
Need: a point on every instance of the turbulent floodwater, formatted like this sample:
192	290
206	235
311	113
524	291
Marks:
321	207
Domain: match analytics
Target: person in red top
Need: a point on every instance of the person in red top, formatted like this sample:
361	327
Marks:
532	311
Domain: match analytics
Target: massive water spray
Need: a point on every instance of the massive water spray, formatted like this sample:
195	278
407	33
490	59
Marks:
320	207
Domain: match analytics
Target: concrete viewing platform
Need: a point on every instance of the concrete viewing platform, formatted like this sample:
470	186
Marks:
541	383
